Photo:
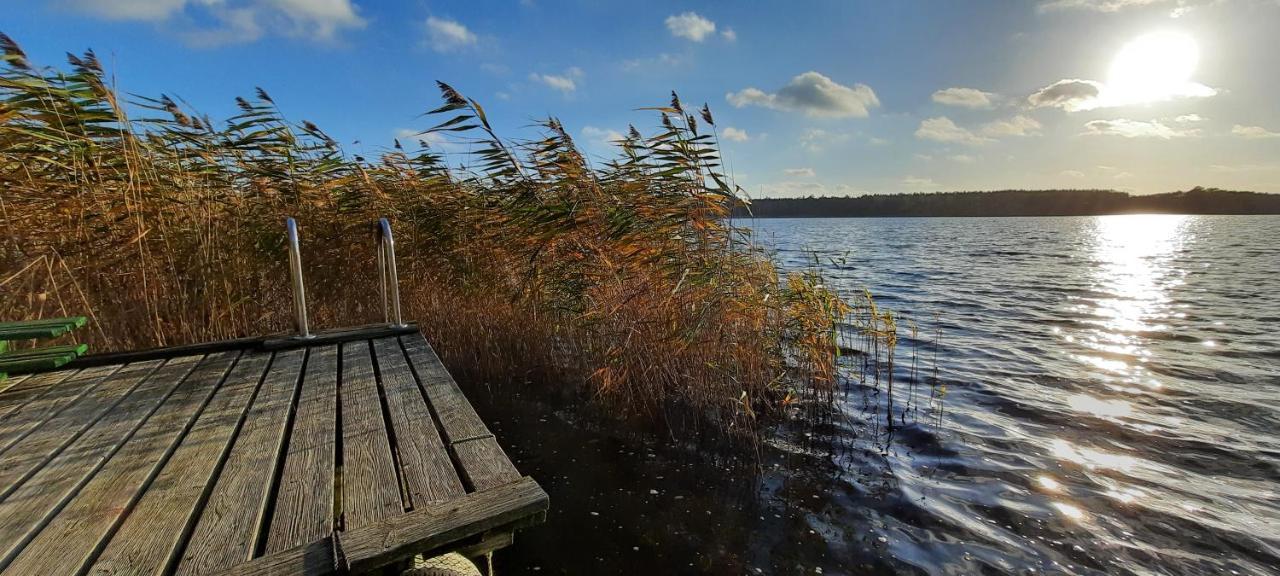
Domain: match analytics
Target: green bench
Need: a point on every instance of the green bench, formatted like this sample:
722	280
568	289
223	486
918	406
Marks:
35	359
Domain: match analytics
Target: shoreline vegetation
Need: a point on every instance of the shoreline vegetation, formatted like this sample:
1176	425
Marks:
1198	200
625	282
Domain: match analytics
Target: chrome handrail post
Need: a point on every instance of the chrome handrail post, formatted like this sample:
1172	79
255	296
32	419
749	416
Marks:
388	254
295	271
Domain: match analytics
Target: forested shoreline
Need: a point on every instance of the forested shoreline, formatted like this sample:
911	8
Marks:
1197	200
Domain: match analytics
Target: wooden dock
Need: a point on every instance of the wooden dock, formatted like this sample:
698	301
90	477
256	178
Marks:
347	453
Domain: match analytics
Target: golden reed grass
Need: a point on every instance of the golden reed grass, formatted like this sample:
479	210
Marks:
626	280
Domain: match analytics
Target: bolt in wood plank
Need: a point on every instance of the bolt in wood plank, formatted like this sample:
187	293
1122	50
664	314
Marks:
233	516
304	501
425	464
484	464
45	442
370	487
70	539
71	387
24	511
457	417
157	527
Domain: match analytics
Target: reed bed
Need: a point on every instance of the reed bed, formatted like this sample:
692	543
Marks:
625	281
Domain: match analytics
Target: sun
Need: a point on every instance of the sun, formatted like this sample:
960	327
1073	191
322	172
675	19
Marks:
1154	67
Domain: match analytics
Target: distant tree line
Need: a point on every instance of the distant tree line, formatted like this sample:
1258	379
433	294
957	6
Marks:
1198	200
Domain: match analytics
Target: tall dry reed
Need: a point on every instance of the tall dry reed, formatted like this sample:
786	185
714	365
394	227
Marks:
627	280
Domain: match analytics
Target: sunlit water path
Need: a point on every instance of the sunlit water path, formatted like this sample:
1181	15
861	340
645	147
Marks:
1114	385
1112	407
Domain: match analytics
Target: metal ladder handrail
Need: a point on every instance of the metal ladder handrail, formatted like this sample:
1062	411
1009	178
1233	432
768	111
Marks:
387	276
299	289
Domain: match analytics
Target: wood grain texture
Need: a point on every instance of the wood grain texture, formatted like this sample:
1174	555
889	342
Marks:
157	526
312	559
69	540
9	383
26	509
404	535
32	386
46	441
484	464
425	465
233	516
370	486
304	501
69	387
457	417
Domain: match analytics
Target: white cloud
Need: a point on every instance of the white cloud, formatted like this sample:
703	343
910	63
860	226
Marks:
965	98
813	94
1072	173
447	35
1071	95
243	21
943	129
1017	126
1075	95
602	136
1239	168
1137	129
1253	132
147	10
919	184
1097	5
806	188
1189	118
433	139
566	83
962	158
663	61
690	26
734	134
799	172
729	35
817	139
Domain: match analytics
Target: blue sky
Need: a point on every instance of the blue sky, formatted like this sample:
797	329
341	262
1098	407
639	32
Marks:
810	98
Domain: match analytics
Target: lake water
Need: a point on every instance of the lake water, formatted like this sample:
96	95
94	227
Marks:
1112	407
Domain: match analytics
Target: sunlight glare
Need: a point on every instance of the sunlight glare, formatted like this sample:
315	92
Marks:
1154	67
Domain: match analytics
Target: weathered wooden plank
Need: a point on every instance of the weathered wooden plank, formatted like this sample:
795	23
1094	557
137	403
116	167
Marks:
9	383
233	516
45	442
150	537
484	464
304	501
338	336
16	399
425	465
370	487
68	541
26	509
401	536
312	559
69	389
457	417
24	388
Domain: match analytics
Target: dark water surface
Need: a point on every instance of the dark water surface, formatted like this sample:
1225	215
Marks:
1112	407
